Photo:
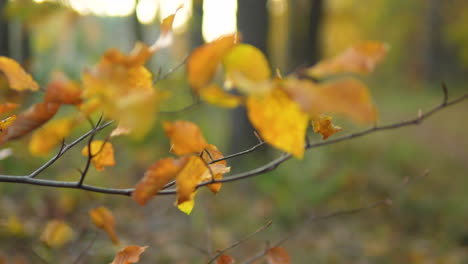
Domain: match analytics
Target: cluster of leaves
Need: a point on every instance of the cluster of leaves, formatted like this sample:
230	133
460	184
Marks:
281	110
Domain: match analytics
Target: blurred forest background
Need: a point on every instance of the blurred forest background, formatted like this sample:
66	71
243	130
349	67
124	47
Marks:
428	221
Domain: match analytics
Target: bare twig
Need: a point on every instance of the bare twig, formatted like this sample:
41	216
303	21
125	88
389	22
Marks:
169	72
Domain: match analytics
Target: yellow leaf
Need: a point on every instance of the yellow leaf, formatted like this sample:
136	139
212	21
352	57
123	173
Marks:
213	94
324	126
188	179
128	255
102	154
50	135
360	59
246	67
158	175
104	219
56	233
5	123
186	137
279	120
165	38
204	61
18	79
188	205
348	97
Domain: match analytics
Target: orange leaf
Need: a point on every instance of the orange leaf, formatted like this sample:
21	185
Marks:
279	120
348	97
61	90
18	79
277	255
188	179
104	219
29	120
50	135
56	234
165	38
204	61
360	59
324	126
225	259
158	175
186	137
213	94
6	107
102	154
218	168
128	255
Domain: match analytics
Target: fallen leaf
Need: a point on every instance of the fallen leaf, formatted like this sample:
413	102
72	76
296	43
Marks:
102	154
129	254
157	175
278	255
56	233
186	137
104	219
360	59
324	126
17	77
279	121
225	259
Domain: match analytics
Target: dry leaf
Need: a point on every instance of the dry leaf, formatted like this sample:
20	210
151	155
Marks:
324	126
225	259
102	154
128	255
218	168
56	233
158	175
279	120
361	59
165	38
17	78
104	219
186	137
188	179
277	255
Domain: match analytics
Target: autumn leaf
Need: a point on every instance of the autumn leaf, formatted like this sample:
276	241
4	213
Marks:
279	120
324	126
6	107
29	120
61	90
204	61
157	175
129	254
102	154
56	233
187	180
360	59
165	38
348	97
278	255
104	219
50	135
186	137
225	259
247	69
213	94
217	169
18	78
5	123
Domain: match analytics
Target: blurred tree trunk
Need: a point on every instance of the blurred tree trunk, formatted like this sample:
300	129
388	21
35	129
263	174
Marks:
306	16
4	50
252	22
434	47
196	23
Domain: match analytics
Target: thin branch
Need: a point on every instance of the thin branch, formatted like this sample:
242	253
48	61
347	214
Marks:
237	243
169	72
192	106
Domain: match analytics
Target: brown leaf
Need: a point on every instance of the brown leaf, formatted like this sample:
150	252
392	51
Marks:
158	175
61	90
6	107
204	60
186	137
225	259
18	78
104	219
277	255
218	168
361	59
129	254
324	126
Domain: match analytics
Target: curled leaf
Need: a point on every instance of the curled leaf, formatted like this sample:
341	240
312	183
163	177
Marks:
104	219
165	38
56	233
17	77
102	154
324	126
128	255
157	175
186	137
279	120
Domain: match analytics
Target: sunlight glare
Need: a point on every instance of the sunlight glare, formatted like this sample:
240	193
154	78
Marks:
219	18
104	7
146	11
